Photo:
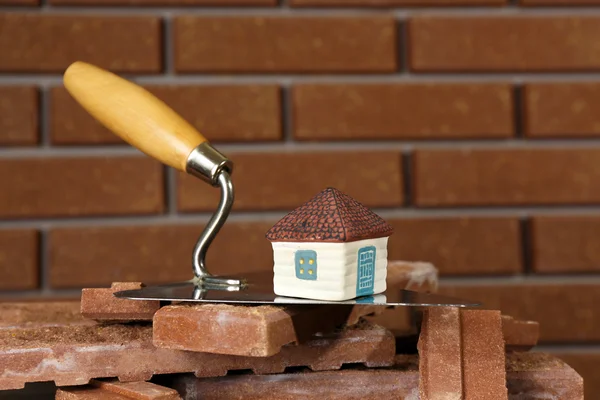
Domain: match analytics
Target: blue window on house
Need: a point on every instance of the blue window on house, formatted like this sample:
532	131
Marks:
365	279
306	265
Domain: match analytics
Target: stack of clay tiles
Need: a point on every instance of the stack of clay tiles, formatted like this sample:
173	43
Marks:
108	348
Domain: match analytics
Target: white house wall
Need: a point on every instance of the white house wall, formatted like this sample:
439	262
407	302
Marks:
336	269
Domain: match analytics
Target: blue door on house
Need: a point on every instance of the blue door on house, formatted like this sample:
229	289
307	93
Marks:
366	271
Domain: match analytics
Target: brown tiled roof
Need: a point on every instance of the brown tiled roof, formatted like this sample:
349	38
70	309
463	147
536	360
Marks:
330	216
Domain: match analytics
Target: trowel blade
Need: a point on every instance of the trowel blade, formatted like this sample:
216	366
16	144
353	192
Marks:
258	289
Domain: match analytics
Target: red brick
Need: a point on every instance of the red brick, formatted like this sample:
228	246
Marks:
459	246
440	364
19	2
124	44
402	111
18	115
566	312
54	187
284	181
19	259
565	244
285	44
392	3
559	2
520	335
224	113
482	346
562	109
504	43
151	254
587	364
115	390
164	2
473	177
101	304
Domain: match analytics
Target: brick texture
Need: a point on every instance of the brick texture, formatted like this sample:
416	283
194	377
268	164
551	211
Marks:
459	246
521	43
402	111
391	3
163	2
54	187
565	244
222	113
562	109
19	2
89	257
18	115
559	2
124	44
18	259
263	181
506	177
557	307
586	364
285	44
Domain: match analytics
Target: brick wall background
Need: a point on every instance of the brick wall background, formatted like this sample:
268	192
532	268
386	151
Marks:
473	126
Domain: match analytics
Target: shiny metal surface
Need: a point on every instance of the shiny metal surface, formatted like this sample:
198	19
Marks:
211	230
258	289
206	163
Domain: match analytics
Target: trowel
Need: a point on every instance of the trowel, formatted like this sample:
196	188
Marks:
147	123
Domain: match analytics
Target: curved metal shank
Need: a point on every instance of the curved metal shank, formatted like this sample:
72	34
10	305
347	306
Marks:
213	227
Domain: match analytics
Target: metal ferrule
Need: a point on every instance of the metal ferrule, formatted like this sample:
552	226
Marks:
206	163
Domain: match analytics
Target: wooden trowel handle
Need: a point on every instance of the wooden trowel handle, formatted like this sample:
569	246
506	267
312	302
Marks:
133	113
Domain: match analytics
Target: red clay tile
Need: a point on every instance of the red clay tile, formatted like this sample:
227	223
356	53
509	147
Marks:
101	304
585	363
19	115
529	375
115	390
482	350
542	376
215	328
402	111
35	315
118	43
127	352
519	335
284	44
440	364
356	383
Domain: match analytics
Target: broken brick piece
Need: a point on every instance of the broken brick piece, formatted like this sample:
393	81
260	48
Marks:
356	383
115	390
520	335
541	376
440	366
74	354
255	331
101	304
483	361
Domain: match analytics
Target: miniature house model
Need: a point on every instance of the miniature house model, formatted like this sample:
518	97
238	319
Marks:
330	248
